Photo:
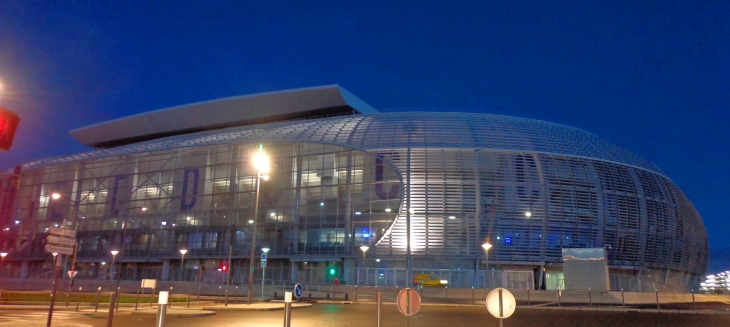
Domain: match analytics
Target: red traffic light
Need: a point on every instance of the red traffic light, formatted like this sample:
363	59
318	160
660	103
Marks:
224	267
8	124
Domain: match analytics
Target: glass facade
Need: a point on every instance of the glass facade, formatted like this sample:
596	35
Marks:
320	200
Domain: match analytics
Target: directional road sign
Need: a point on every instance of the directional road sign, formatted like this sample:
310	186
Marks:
501	303
58	240
263	256
59	249
408	301
263	262
62	232
298	290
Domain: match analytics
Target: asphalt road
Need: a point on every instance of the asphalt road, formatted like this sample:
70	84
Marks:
331	315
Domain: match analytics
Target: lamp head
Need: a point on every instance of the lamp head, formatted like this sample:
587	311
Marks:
3	254
183	251
266	250
55	196
364	248
486	246
114	252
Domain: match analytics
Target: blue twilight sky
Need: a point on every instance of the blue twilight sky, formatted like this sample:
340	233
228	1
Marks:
651	76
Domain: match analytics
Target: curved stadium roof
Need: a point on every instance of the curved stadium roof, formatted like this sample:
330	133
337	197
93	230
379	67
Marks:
384	131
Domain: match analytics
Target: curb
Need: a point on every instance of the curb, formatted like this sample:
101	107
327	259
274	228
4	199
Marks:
300	306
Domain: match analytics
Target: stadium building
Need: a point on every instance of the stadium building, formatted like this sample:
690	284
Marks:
422	190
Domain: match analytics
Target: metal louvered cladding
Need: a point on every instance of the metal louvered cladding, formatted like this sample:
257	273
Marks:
470	178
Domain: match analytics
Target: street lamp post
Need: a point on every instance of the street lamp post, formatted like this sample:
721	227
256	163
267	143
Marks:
263	272
182	263
2	262
114	257
486	246
364	249
261	161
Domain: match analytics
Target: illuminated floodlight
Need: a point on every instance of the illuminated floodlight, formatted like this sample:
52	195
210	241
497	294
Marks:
528	214
250	221
261	161
55	196
452	217
387	210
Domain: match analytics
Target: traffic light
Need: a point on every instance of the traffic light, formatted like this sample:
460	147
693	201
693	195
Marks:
8	124
333	271
224	267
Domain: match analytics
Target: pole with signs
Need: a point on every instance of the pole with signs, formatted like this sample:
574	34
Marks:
58	243
57	267
263	272
228	276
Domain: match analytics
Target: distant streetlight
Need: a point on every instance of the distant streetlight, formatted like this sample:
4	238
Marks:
3	254
114	256
55	196
182	267
261	163
364	249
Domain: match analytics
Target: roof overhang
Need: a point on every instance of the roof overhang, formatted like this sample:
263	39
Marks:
222	113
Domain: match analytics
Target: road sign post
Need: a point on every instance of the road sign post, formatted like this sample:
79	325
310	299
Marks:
501	303
408	302
263	272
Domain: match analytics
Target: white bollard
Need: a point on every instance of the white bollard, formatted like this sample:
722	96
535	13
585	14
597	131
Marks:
287	308
161	308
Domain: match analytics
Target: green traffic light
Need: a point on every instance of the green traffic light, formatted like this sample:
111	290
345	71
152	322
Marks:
332	271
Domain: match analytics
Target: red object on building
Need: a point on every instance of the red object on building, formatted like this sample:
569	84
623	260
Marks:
337	282
8	124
